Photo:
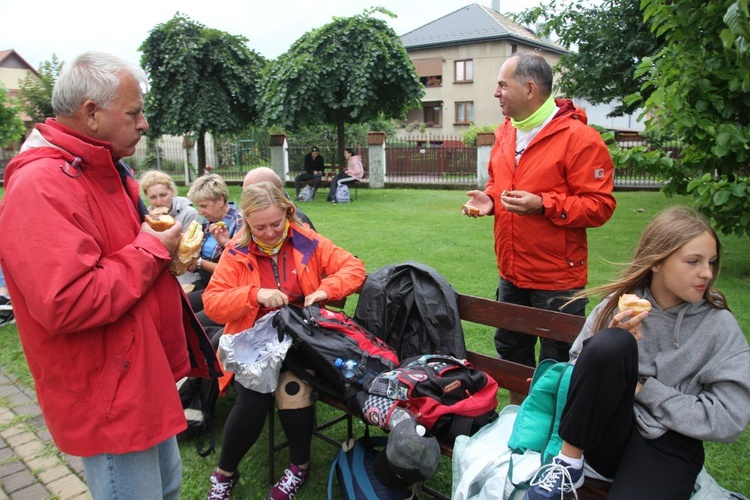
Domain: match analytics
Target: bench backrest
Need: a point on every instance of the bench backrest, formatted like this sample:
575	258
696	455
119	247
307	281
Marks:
538	322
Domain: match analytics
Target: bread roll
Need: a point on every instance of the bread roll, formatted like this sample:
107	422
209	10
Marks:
159	219
632	302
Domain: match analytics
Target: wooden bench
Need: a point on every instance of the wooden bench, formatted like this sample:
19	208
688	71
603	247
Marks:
511	376
326	181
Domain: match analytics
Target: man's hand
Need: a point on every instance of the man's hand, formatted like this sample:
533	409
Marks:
479	200
169	238
522	202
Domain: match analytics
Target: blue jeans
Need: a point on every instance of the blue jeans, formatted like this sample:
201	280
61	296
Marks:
154	473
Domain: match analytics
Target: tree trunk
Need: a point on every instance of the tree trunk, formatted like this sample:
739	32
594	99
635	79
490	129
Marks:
201	153
340	128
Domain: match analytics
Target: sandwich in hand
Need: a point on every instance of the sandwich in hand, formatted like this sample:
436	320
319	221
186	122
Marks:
471	210
188	250
159	219
632	302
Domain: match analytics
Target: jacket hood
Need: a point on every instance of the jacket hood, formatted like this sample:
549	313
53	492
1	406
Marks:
36	147
51	140
567	108
676	316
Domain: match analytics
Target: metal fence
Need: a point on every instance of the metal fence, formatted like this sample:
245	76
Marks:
177	156
445	161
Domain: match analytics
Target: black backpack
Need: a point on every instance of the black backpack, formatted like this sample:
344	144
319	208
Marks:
320	337
199	396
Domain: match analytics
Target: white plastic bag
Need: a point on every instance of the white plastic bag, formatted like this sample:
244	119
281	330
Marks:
255	355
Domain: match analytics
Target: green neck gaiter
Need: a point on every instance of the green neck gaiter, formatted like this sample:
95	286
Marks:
537	118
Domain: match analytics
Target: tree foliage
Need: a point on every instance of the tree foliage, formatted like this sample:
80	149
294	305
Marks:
352	70
36	91
202	80
607	40
11	125
698	88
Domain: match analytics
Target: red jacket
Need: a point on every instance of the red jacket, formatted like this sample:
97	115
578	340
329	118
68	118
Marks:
102	322
568	164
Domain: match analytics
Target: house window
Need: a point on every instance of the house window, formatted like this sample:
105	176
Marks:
464	112
432	81
513	48
464	71
433	112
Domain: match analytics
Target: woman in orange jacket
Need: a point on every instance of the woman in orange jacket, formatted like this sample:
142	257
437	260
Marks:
275	260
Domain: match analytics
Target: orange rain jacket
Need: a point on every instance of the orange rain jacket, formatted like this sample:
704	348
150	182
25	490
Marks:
231	296
569	166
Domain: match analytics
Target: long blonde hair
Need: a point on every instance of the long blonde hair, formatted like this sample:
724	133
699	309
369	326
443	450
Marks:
258	197
665	234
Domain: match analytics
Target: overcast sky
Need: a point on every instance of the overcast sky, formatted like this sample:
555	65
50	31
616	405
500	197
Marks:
40	28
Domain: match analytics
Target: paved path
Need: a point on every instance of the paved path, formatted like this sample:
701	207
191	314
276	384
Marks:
31	466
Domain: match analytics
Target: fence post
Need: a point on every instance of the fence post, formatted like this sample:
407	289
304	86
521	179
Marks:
376	154
485	140
279	156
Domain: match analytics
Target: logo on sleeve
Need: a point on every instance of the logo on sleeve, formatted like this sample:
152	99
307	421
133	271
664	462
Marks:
599	173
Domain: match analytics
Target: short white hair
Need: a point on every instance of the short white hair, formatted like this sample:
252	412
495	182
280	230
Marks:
95	76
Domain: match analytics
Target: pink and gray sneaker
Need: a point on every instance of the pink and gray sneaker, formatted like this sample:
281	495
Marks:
289	485
222	485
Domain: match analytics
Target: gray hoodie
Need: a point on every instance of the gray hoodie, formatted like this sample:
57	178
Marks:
697	361
183	211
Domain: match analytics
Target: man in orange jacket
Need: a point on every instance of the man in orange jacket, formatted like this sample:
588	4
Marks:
550	178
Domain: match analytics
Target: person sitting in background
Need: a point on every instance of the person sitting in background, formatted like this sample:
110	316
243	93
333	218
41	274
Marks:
352	173
648	388
314	170
276	260
265	174
161	191
221	221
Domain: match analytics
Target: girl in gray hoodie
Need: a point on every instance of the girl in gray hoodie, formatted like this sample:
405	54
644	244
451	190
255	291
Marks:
649	388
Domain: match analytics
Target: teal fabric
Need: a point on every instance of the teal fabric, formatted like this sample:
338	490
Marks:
538	420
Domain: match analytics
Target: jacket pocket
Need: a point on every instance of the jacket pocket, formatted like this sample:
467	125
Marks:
118	340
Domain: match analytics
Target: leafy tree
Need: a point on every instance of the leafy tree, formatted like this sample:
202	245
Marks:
36	91
352	70
11	125
470	136
202	80
697	89
607	40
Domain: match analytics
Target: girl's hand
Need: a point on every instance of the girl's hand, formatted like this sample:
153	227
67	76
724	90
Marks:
626	321
272	298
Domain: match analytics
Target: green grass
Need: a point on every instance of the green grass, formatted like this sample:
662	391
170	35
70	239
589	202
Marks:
391	226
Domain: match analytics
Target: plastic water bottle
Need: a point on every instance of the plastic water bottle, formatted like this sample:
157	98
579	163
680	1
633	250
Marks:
397	416
348	368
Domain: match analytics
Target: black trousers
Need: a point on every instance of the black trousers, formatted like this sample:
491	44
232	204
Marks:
304	178
519	347
599	418
245	423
